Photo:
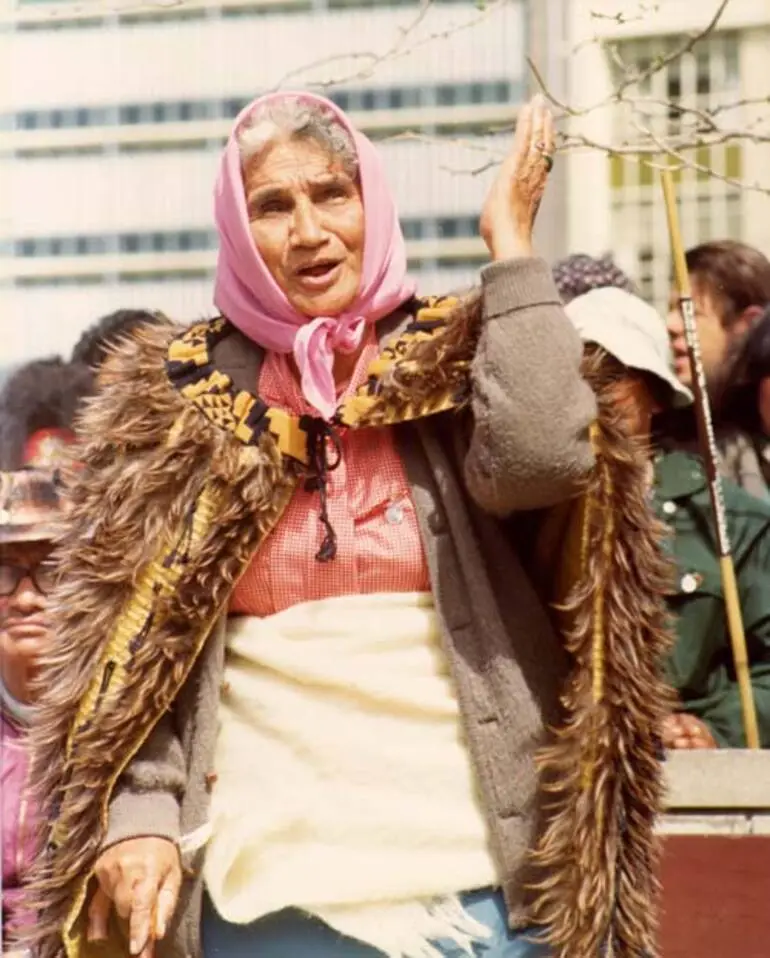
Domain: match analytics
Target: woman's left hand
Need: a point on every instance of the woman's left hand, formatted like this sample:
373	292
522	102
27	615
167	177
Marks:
508	215
684	731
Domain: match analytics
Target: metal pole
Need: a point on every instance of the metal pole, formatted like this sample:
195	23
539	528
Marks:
711	460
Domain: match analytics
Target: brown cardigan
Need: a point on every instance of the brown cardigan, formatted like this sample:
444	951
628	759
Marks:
148	447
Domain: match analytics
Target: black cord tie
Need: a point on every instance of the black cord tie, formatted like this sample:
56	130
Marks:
320	436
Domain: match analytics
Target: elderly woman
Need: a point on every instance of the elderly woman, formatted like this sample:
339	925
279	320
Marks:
302	673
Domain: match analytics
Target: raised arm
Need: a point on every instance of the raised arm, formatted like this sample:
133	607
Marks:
532	410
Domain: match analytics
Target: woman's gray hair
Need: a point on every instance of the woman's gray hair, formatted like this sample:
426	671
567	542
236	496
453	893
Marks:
296	119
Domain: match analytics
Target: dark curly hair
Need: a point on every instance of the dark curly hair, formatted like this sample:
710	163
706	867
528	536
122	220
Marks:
579	273
93	345
43	394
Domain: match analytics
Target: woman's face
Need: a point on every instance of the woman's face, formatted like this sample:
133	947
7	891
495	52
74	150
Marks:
307	219
24	630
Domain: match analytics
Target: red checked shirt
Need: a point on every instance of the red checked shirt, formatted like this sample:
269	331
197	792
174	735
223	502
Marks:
379	548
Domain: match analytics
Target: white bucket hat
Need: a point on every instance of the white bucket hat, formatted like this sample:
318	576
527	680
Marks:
631	331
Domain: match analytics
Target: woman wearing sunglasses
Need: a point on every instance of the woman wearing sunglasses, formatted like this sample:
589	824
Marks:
29	508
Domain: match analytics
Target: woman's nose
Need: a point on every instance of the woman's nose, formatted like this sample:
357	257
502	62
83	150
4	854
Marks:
306	226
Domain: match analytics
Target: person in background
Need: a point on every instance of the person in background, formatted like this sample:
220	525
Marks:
30	505
626	342
730	289
40	399
580	273
108	332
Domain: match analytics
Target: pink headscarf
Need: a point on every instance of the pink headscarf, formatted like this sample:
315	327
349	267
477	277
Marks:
249	297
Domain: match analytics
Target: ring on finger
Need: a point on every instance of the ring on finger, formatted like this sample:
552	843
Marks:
548	160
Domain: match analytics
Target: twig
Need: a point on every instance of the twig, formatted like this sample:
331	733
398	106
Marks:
396	51
637	77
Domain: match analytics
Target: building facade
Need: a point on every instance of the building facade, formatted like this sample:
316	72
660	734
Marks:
615	202
113	116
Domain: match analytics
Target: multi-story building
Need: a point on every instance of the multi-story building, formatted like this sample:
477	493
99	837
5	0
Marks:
113	115
615	204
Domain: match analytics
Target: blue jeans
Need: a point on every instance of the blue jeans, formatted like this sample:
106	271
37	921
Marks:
295	934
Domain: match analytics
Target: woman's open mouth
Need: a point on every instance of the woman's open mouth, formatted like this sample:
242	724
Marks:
319	275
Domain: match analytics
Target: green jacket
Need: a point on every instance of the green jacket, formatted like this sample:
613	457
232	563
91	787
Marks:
700	666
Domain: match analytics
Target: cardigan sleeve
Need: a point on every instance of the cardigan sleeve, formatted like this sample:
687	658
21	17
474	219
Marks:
147	797
530	446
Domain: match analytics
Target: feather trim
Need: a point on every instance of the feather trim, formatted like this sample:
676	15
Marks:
598	850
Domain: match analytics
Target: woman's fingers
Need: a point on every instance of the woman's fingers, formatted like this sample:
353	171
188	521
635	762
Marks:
549	134
144	898
98	916
167	899
537	141
522	138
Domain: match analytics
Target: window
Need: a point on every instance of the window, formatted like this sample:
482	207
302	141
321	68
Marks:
174	111
701	80
341	98
448	228
412	229
128	114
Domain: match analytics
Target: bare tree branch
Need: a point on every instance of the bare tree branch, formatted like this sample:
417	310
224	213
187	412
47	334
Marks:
396	51
634	77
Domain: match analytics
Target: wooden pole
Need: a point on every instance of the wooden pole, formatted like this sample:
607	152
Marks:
711	460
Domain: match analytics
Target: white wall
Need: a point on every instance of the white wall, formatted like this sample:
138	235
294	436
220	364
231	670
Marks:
190	60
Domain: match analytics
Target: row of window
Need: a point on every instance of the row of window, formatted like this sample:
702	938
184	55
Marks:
184	241
180	111
466	264
224	10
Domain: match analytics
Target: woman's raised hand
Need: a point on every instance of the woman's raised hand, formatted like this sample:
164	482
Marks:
508	215
140	878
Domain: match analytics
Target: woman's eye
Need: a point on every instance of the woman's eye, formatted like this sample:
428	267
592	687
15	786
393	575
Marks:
270	207
333	193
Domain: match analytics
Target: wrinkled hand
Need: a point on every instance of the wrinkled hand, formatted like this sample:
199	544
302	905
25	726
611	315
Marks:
684	731
508	215
140	878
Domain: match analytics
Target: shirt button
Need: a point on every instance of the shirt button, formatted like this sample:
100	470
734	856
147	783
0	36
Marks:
394	514
689	583
669	507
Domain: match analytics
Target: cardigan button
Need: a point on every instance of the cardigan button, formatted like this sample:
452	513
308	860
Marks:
394	514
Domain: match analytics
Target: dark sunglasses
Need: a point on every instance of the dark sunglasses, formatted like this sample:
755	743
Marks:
42	576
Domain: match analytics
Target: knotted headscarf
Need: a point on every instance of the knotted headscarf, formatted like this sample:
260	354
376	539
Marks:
250	298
